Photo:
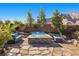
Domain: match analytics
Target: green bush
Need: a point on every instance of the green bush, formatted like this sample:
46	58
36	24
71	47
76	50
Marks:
5	33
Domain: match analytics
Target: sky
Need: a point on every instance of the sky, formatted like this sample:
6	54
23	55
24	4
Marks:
18	11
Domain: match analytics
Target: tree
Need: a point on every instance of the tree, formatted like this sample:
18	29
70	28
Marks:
41	18
57	20
29	18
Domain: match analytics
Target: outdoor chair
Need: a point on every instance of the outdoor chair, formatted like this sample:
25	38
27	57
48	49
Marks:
16	37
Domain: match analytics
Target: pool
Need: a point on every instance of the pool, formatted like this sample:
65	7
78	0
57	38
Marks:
38	33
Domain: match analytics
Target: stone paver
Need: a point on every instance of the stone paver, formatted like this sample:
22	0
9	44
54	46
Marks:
66	52
14	50
51	49
26	49
33	48
24	52
43	48
45	52
25	42
18	54
75	52
34	52
77	45
57	52
11	54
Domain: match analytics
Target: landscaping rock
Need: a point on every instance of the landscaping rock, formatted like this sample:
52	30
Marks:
74	42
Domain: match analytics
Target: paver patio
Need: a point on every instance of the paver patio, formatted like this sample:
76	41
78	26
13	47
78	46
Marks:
25	49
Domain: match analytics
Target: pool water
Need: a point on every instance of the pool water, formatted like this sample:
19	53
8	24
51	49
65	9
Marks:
38	33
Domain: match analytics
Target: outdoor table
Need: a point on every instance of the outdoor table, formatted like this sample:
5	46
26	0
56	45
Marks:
42	38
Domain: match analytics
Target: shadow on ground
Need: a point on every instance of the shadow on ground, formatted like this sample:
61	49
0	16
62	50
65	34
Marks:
53	44
16	45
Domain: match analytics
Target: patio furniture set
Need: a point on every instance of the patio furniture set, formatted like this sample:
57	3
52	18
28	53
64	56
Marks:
38	37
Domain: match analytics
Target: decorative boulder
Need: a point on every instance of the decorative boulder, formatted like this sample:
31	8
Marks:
74	42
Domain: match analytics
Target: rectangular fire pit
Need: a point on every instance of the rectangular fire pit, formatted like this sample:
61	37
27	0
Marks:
39	38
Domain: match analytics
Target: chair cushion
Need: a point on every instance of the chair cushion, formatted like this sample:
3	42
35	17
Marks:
18	37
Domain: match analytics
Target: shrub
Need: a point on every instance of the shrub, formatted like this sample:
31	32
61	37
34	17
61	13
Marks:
5	33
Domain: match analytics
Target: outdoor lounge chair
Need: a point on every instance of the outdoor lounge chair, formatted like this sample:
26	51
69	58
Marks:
16	37
57	37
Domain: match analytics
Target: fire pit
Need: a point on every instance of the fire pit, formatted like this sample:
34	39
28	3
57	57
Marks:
39	37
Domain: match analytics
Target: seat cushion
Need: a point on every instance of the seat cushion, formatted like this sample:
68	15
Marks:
18	37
